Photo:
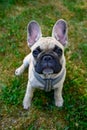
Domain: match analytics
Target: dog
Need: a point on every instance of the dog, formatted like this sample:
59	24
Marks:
46	62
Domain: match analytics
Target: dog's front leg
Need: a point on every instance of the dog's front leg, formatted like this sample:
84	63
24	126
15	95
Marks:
58	96
28	96
20	70
25	65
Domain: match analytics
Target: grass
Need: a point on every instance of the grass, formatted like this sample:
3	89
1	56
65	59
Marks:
43	115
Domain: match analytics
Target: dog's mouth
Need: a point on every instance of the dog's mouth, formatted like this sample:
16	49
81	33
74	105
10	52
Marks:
47	70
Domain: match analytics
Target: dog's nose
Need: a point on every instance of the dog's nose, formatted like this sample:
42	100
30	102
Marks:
47	58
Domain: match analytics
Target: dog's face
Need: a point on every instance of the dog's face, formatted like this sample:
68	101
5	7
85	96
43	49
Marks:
47	52
48	56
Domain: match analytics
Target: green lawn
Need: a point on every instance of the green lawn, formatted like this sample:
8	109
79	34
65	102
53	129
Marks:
43	115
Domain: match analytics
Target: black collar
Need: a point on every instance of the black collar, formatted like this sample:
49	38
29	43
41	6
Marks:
49	82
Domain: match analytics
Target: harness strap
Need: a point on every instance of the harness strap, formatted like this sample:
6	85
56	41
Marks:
48	85
48	82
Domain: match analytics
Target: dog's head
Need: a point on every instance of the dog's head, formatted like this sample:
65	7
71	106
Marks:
47	52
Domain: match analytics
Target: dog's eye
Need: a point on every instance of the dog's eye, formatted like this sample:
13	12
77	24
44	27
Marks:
36	52
58	50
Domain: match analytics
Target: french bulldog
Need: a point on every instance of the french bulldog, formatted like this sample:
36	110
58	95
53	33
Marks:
46	62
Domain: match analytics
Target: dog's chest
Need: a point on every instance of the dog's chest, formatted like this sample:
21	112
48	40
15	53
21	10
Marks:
46	84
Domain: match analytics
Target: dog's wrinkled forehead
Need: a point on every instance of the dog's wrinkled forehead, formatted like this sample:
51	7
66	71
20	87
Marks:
47	43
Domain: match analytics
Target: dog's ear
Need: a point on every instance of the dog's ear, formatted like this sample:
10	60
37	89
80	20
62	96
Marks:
59	32
33	33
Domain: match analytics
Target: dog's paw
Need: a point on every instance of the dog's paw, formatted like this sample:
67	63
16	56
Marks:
18	72
59	103
26	105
